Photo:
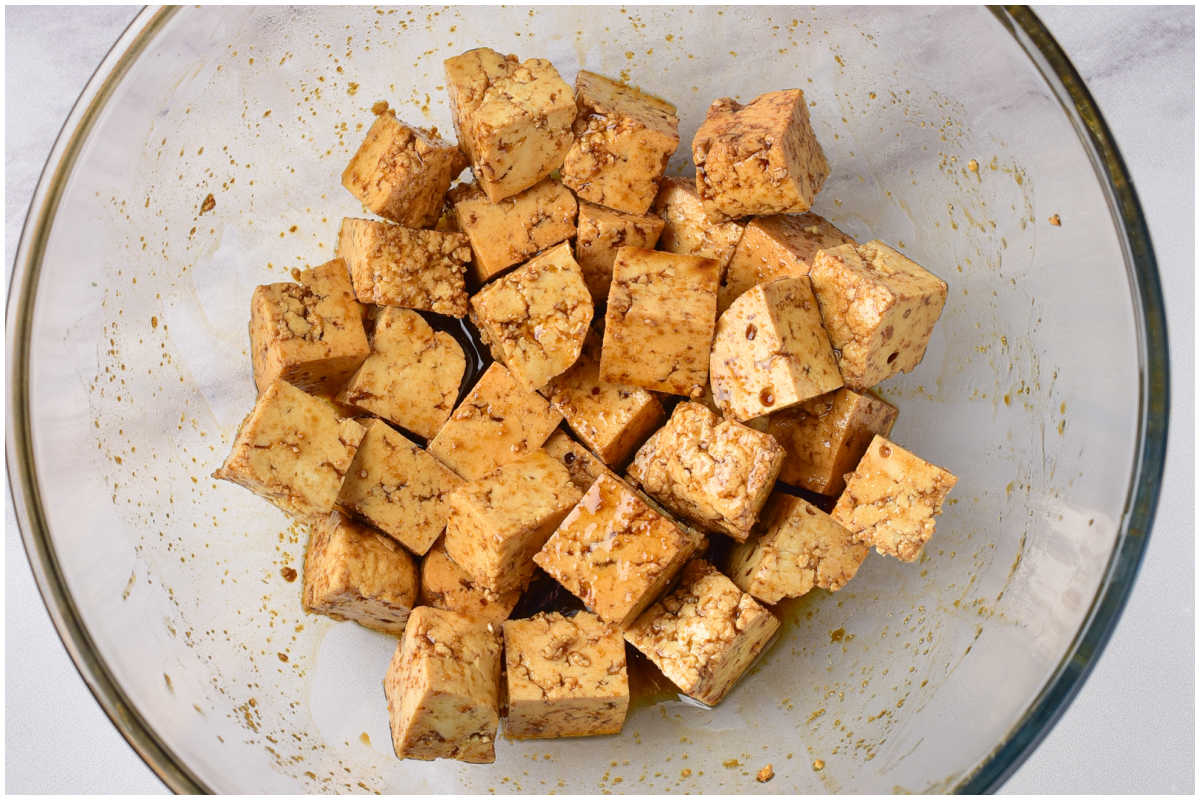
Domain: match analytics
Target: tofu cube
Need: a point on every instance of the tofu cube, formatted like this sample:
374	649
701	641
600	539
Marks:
413	374
770	351
799	547
497	422
443	688
779	246
309	333
600	232
581	464
512	230
759	158
713	472
879	308
534	319
825	437
513	118
623	141
292	450
398	488
658	328
616	553
402	172
705	634
499	521
396	266
566	677
446	585
891	499
352	572
687	230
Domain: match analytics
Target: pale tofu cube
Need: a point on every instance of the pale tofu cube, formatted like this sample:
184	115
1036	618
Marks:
566	677
705	634
658	328
292	450
309	333
513	118
714	472
623	141
600	233
392	265
759	158
581	464
879	308
509	231
443	688
891	499
446	585
687	229
770	351
352	572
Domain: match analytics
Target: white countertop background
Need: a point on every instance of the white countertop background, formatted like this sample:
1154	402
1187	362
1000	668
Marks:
1132	726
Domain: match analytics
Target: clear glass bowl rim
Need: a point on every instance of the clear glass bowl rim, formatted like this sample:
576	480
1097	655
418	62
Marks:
1141	500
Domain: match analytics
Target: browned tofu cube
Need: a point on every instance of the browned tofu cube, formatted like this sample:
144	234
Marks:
825	437
581	464
499	521
352	572
601	232
687	229
413	374
308	333
398	488
658	328
292	450
513	118
623	141
879	308
446	585
535	318
616	553
497	422
714	472
515	229
770	351
705	634
396	266
443	688
759	158
799	547
402	173
566	677
891	499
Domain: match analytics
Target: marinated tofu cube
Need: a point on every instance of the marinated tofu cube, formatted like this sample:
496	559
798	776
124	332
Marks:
292	450
623	141
443	688
759	158
891	499
705	634
309	333
512	230
402	173
413	374
497	422
779	246
446	585
566	677
499	521
799	547
513	118
616	553
398	488
687	230
396	266
535	318
658	328
825	437
713	472
770	351
601	232
352	572
581	464
879	308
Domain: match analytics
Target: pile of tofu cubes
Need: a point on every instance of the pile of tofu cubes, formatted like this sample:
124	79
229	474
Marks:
709	344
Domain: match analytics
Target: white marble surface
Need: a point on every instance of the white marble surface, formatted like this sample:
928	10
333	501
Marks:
1131	728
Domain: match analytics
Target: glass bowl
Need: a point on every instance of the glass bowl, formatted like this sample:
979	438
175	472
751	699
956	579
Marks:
963	137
